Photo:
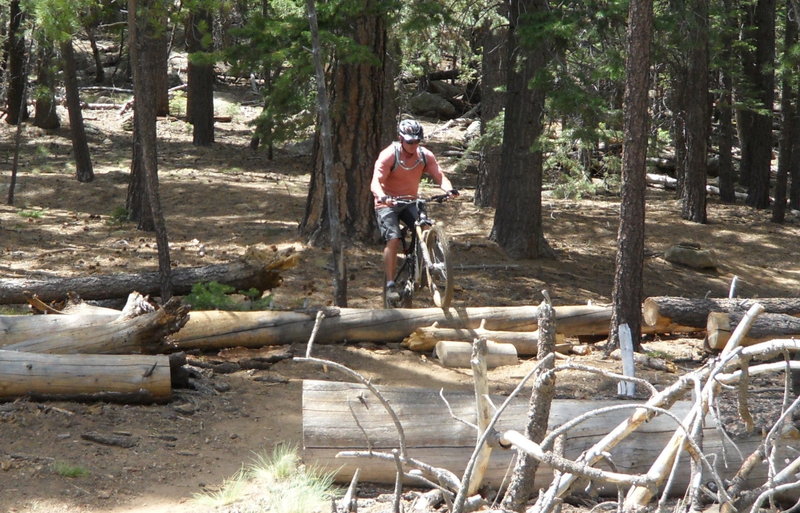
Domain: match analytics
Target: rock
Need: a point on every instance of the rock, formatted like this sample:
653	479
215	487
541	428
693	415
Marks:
691	255
473	131
429	104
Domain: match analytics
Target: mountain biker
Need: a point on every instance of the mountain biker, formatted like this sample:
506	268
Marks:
398	171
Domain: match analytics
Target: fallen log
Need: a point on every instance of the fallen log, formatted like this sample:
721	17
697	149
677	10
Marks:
129	378
767	326
258	269
217	330
345	417
668	182
525	342
75	315
145	333
669	313
453	353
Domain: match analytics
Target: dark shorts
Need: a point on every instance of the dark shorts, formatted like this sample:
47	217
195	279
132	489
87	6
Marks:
389	220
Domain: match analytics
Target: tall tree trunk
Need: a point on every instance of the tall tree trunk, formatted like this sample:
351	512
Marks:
16	109
145	58
756	128
518	219
80	145
493	75
627	292
339	265
725	142
162	78
697	113
45	115
99	71
200	90
137	202
788	128
357	94
794	164
727	173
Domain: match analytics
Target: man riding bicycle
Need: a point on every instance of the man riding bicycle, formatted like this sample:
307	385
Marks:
398	171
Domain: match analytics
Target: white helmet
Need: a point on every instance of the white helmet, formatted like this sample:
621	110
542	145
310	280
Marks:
410	130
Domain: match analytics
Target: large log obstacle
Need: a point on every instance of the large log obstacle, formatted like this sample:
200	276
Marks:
680	314
341	417
720	326
130	378
215	329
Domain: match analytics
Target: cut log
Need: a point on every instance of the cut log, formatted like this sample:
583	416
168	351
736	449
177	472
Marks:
452	353
252	272
143	333
525	342
129	378
682	314
345	417
217	330
767	326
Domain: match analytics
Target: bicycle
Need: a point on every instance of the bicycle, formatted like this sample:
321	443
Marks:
425	255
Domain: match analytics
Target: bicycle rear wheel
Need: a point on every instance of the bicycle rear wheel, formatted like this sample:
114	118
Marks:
439	272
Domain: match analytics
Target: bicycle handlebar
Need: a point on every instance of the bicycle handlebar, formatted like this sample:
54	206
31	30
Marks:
407	200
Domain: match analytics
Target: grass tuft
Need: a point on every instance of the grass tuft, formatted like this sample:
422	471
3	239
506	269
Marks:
275	483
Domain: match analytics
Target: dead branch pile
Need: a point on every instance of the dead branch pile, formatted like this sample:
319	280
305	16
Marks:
688	465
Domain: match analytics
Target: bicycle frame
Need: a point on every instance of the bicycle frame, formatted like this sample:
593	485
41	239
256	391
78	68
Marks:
415	250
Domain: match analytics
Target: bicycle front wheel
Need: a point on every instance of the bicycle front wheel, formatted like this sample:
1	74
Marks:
439	271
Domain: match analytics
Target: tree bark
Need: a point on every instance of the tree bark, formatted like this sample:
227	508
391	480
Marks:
80	144
668	313
16	107
215	330
517	224
697	114
493	72
130	378
357	95
200	92
45	115
627	291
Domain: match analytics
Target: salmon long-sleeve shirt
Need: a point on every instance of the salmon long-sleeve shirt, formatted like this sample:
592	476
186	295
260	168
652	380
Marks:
404	179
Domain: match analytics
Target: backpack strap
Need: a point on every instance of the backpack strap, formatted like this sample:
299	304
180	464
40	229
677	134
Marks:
397	157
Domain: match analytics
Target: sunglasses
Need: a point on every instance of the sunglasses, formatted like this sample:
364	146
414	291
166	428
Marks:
412	142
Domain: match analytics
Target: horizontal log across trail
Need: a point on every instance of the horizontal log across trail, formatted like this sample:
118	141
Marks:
691	314
133	378
347	417
217	329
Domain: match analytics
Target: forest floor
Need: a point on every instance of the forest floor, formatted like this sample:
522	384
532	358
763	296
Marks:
220	200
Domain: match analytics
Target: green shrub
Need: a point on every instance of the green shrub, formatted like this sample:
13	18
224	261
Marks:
66	470
216	296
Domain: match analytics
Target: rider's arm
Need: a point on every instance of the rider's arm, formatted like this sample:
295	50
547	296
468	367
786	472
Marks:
383	166
433	170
